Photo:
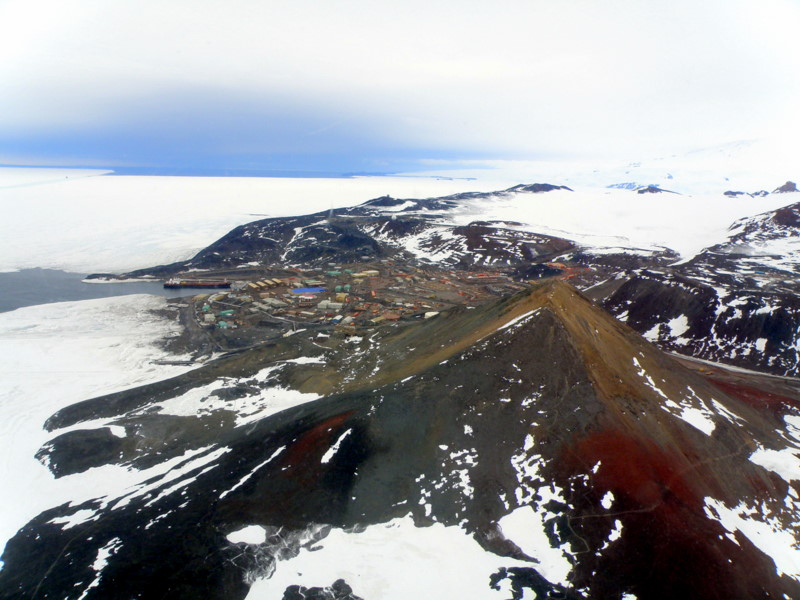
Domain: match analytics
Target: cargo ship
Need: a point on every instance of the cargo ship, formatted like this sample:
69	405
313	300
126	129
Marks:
196	283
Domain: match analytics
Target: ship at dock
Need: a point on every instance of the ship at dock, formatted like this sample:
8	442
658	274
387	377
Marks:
196	283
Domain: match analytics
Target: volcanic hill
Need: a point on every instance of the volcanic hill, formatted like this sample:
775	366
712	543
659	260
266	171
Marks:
585	462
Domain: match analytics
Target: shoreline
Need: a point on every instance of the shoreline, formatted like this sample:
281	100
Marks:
34	287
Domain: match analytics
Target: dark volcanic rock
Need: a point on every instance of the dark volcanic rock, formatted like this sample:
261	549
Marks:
384	201
303	240
338	591
789	186
788	216
755	330
653	189
486	243
525	577
758	194
78	451
537	188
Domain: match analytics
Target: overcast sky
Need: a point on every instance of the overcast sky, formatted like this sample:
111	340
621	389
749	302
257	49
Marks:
375	86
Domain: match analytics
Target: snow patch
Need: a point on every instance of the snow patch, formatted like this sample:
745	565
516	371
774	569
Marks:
252	534
100	562
335	448
399	207
76	518
117	430
694	416
526	528
392	561
648	380
767	534
203	400
244	479
785	462
678	326
519	320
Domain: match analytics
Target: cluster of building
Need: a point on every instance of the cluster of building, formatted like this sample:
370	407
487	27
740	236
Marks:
348	297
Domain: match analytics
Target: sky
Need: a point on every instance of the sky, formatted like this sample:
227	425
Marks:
365	86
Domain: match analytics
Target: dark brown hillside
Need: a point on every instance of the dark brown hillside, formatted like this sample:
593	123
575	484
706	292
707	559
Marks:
660	471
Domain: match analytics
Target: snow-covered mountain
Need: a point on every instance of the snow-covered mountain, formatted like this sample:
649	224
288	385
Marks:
423	229
734	302
770	240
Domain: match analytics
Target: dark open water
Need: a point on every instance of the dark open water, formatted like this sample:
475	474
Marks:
43	286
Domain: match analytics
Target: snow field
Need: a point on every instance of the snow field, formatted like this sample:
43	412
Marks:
596	217
52	356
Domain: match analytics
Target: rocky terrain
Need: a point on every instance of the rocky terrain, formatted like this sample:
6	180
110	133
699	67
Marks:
415	229
735	302
535	413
